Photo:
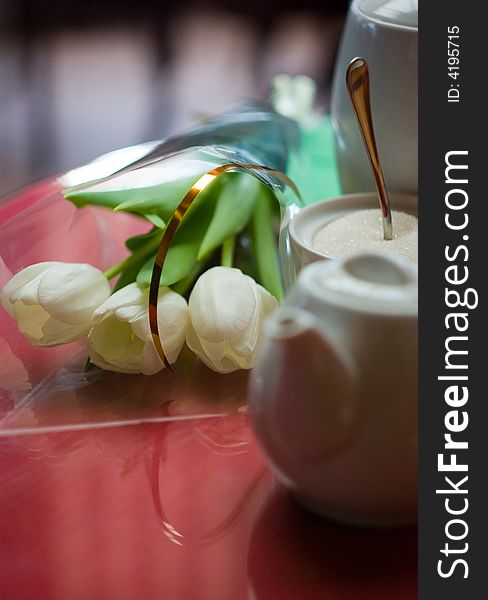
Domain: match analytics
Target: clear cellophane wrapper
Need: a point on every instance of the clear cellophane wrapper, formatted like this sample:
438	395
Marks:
42	388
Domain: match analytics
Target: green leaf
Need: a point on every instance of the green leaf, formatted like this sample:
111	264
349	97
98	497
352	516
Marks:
235	204
153	186
162	200
137	241
155	190
129	275
155	220
184	285
140	201
264	244
142	247
183	252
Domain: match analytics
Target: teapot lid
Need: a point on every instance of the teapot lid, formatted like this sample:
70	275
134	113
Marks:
371	282
403	13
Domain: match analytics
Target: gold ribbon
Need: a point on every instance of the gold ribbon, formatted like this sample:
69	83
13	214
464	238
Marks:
202	182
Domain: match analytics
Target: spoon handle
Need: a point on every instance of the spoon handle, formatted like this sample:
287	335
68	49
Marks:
357	81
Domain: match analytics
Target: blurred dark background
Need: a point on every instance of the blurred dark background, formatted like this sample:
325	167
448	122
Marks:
80	78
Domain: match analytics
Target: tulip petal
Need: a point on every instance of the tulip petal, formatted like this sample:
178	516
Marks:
70	292
133	314
99	360
56	332
246	344
243	345
217	356
222	304
20	280
150	361
173	318
268	301
173	315
121	339
27	294
112	347
140	325
30	319
127	296
227	312
195	344
112	338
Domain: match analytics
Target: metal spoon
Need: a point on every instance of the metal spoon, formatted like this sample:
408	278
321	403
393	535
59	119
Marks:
357	81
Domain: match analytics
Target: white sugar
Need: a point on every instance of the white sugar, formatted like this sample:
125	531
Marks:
362	230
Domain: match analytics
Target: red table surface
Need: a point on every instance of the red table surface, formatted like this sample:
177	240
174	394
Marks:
107	496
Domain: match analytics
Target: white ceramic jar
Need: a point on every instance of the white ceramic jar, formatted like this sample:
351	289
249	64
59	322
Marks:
385	34
333	395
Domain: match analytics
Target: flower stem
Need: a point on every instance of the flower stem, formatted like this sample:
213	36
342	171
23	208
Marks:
145	250
264	245
227	253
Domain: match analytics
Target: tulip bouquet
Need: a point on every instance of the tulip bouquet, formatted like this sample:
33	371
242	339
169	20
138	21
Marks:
220	278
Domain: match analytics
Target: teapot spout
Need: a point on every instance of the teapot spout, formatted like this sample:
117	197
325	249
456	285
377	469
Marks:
308	392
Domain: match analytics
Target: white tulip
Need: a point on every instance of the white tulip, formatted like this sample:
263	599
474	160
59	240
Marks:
227	311
53	302
121	339
294	97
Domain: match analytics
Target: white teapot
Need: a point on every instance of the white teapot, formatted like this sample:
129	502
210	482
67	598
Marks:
333	395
